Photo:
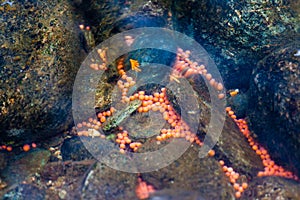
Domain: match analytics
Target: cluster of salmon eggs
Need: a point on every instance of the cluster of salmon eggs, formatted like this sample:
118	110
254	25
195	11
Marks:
271	169
103	115
94	124
103	65
143	190
120	66
123	141
26	147
233	177
179	128
125	82
6	148
184	67
158	102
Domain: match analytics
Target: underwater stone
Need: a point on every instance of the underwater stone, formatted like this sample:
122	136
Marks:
36	87
274	105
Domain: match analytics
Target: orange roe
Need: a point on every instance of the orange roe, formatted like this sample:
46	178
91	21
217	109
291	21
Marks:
143	190
102	119
211	153
9	148
26	147
271	169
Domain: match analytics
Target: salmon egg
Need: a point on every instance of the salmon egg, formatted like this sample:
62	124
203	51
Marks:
26	147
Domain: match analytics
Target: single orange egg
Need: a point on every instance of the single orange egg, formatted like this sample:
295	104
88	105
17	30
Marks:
212	82
230	169
108	113
26	147
219	86
208	77
132	145
245	185
221	95
238	194
122	151
211	153
9	148
241	189
145	109
258	152
260	174
233	116
236	186
141	97
254	147
234	92
230	112
228	109
221	162
118	141
102	119
236	176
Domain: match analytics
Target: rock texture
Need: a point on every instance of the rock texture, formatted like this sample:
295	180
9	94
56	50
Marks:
274	106
39	48
237	34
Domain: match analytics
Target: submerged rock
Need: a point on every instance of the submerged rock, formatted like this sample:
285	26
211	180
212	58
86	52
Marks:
274	106
74	149
24	192
39	60
176	194
111	17
103	182
202	178
188	173
237	34
24	165
272	188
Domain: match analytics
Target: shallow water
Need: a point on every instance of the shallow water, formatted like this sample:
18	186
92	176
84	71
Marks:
64	65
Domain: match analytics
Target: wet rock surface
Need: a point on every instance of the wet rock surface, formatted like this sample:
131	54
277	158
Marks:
237	34
25	191
274	104
272	188
104	183
176	194
189	173
109	18
40	55
25	165
196	177
235	149
239	104
73	149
